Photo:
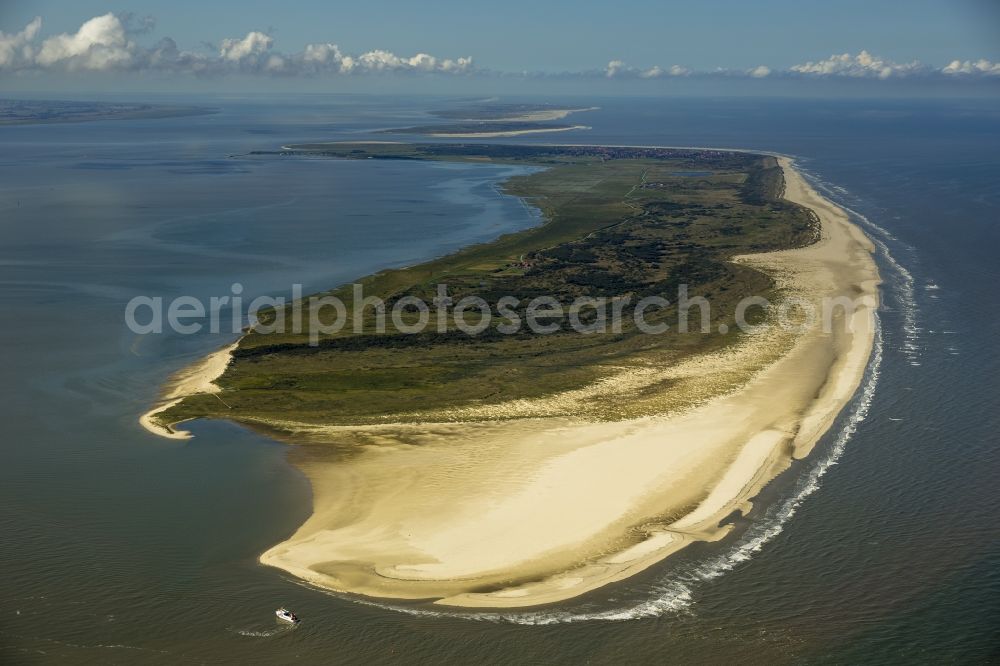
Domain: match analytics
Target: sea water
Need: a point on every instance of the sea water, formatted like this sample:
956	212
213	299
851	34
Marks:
121	547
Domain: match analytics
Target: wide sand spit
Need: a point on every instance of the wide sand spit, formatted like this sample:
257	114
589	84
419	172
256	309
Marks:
537	509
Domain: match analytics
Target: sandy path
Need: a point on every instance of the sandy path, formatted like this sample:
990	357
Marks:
446	511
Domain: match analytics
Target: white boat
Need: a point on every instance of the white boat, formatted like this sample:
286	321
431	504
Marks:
286	615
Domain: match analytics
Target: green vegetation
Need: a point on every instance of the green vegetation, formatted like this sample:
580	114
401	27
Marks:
621	223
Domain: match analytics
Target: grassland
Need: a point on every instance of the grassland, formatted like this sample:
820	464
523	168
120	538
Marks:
619	223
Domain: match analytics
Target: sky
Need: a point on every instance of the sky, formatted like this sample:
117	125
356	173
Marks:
635	45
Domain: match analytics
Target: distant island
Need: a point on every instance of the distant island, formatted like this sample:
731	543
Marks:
501	112
34	112
495	120
505	470
483	129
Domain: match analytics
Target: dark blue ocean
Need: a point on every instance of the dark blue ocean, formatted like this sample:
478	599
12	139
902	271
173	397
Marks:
120	547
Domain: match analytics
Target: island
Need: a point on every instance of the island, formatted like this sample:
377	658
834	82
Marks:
483	129
496	111
493	120
507	467
36	112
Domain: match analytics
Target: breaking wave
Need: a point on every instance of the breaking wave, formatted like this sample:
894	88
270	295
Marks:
675	592
903	282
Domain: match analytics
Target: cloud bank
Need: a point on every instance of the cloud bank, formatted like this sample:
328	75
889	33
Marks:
861	66
105	43
984	67
108	44
865	65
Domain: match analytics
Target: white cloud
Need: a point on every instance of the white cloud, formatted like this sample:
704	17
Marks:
16	48
276	64
457	65
614	68
618	68
380	60
862	65
328	57
100	43
108	43
982	67
656	72
865	65
251	46
105	43
319	57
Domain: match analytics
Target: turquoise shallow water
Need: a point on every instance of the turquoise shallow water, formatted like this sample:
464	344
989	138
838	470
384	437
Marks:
120	547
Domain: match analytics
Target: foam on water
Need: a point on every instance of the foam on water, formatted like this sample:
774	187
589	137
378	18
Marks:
675	592
263	633
904	285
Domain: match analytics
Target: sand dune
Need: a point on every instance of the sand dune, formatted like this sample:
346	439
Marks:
536	510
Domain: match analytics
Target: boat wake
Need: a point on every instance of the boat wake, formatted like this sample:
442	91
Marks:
263	633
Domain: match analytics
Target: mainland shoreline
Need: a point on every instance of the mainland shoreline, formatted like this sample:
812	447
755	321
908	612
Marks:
515	506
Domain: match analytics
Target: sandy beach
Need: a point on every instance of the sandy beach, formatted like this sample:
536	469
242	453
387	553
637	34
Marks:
535	510
197	378
541	115
489	135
